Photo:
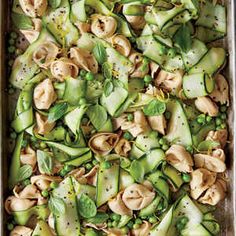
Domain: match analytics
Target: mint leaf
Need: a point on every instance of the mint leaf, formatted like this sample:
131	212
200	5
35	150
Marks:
45	163
57	111
107	70
24	172
56	205
54	3
86	206
108	88
183	38
21	21
154	108
100	53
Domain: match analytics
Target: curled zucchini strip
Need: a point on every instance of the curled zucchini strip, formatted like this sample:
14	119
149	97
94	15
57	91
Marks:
197	85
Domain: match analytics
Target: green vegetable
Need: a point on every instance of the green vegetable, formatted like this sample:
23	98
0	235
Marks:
89	76
21	21
53	185
183	38
99	53
54	3
45	162
24	172
127	135
57	111
45	193
105	165
147	78
186	177
130	117
207	145
154	108
108	87
86	206
107	70
56	205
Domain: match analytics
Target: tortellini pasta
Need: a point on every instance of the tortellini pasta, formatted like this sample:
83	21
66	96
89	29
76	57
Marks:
157	123
121	44
28	157
21	231
43	125
123	147
206	106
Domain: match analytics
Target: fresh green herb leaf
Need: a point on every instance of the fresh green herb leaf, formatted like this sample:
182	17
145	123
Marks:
108	88
86	206
24	172
56	205
99	218
137	171
118	83
22	21
207	145
107	70
99	53
45	163
57	111
154	108
145	64
97	115
183	38
54	3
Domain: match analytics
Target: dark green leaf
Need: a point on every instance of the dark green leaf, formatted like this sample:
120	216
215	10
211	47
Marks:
154	108
22	21
97	115
99	53
207	145
99	218
107	70
56	205
54	3
108	88
45	163
86	206
183	38
24	172
57	111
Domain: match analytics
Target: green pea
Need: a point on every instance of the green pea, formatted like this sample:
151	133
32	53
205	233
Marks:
11	90
208	119
115	217
130	117
152	219
218	121
165	147
130	225
43	145
13	135
114	223
171	52
45	193
83	73
153	134
54	185
184	220
223	116
105	165
11	49
26	182
162	50
10	226
95	162
127	135
136	226
82	101
138	221
11	41
201	119
180	226
223	126
109	224
189	149
186	177
167	115
124	230
88	166
223	108
89	76
162	141
147	78
218	127
13	35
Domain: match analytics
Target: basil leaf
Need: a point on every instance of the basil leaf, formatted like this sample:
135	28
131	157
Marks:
137	171
154	108
97	115
24	172
100	53
22	21
99	218
207	145
108	88
54	3
57	111
86	206
45	163
183	38
107	70
56	205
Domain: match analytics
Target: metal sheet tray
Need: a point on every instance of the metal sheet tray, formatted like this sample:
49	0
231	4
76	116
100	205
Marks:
226	212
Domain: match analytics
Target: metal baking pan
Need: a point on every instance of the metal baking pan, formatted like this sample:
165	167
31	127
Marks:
226	212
